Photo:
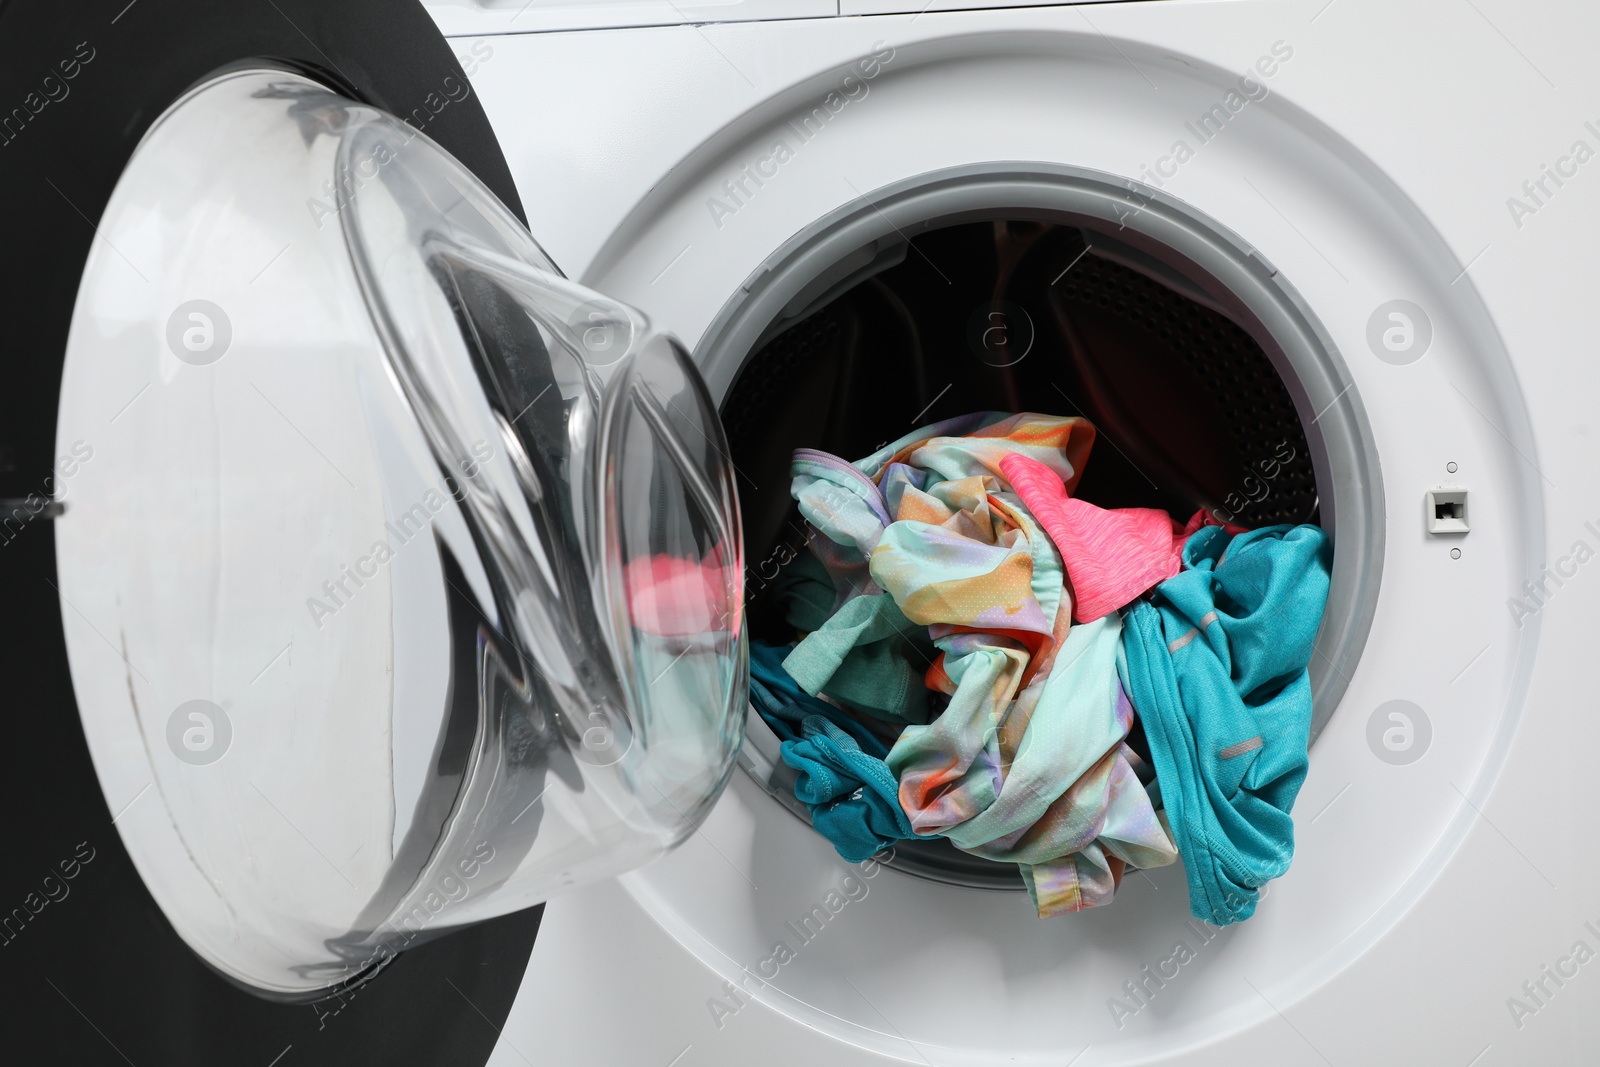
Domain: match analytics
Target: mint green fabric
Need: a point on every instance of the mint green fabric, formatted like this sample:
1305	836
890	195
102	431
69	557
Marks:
866	655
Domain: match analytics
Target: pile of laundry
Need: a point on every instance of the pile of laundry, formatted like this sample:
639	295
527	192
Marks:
983	657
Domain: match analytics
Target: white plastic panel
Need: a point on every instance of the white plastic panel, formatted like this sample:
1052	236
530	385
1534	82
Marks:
1409	917
898	7
468	18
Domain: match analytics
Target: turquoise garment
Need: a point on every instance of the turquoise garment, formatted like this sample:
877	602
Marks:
866	654
851	794
1216	666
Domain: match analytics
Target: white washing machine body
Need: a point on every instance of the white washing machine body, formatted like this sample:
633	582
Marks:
1397	206
1440	902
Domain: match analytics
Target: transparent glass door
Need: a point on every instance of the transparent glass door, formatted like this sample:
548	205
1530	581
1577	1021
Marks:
401	576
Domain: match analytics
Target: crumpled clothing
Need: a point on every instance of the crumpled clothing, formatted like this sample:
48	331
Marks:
852	503
849	509
1216	665
865	654
1027	763
1112	556
975	444
1050	785
1135	834
843	781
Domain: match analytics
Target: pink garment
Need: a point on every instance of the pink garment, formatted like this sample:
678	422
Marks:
1111	556
672	597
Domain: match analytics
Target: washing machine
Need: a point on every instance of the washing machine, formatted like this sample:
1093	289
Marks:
398	466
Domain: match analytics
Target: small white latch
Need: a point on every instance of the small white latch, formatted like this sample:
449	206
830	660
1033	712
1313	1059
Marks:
1447	511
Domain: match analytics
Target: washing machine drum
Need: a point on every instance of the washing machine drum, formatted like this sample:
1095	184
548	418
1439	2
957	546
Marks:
400	576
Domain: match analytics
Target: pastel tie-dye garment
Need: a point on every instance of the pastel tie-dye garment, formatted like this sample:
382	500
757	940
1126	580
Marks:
1027	763
852	503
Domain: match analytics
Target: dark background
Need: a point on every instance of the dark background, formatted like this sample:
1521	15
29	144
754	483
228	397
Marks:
99	977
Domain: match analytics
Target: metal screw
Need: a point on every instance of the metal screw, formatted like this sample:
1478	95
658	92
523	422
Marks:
1451	467
1455	553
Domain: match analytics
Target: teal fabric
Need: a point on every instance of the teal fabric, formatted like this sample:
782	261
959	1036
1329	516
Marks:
843	781
852	795
1216	665
867	655
784	706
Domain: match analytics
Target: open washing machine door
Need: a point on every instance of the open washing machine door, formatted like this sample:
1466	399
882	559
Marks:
415	567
